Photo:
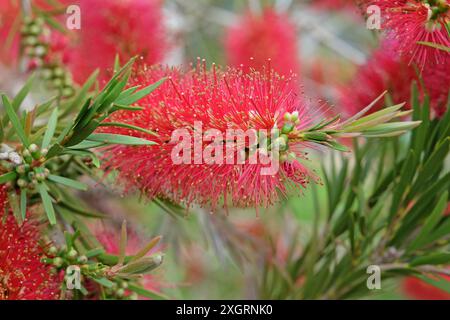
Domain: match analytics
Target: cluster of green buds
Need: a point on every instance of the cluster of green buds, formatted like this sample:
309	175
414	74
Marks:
32	33
119	291
32	171
436	8
65	256
36	44
118	276
281	143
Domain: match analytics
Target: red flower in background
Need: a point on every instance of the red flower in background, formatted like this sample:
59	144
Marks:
221	100
22	274
257	38
124	27
417	289
385	71
410	21
9	19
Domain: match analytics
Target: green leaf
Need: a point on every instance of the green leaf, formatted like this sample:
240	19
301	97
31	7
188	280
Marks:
81	96
118	139
86	145
84	153
51	126
104	282
127	126
375	118
431	166
140	94
94	252
433	258
82	133
117	107
142	266
434	45
123	243
15	121
15	206
430	223
23	203
47	203
22	94
442	283
392	127
146	249
10	176
68	182
147	293
55	150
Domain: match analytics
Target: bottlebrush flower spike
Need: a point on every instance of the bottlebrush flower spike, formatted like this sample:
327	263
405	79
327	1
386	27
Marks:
222	100
408	22
9	16
197	158
126	27
22	274
257	38
386	71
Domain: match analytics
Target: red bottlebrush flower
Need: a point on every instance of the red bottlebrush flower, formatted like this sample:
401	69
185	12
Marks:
124	27
220	100
417	289
385	71
9	17
410	21
257	38
22	274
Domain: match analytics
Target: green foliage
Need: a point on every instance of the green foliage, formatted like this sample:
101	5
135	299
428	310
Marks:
390	216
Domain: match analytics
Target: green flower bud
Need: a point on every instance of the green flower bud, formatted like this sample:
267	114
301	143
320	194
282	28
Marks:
53	250
120	293
22	183
82	259
40	177
58	262
30	41
34	29
287	128
287	117
58	72
133	296
47	74
72	254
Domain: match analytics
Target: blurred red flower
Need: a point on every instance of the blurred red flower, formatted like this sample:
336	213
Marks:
385	71
417	289
259	37
124	27
9	29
